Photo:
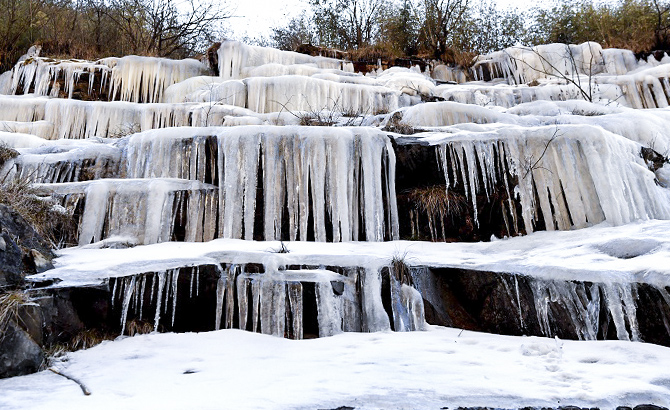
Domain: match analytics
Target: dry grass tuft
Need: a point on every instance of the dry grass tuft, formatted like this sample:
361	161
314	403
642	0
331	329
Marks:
437	201
9	308
7	153
49	221
401	270
139	327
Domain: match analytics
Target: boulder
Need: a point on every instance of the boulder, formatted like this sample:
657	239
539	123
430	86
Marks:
19	354
22	250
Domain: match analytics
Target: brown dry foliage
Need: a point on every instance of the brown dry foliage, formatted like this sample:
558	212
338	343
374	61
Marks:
37	210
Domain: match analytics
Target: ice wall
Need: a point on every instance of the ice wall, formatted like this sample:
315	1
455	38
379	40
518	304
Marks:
297	93
271	299
235	58
148	210
333	183
522	65
566	176
130	78
562	72
45	76
143	79
63	161
74	119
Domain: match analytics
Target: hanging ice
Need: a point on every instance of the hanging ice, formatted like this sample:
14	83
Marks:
148	210
333	183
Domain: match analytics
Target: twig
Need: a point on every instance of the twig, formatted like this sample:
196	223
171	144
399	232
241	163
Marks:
84	389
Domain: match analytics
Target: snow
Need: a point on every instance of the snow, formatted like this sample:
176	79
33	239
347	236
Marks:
441	367
583	255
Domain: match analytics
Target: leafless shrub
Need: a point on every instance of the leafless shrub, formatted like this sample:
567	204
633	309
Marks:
7	153
395	124
437	203
123	130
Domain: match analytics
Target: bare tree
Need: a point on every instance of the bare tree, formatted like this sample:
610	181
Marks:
159	27
442	19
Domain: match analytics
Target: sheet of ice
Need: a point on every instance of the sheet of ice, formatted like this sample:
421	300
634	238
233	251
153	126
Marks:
522	65
562	72
61	160
24	108
143	79
568	176
44	76
439	368
74	119
647	127
235	57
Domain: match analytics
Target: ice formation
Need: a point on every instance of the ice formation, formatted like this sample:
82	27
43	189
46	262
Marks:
340	178
236	58
558	177
269	301
130	78
146	209
171	154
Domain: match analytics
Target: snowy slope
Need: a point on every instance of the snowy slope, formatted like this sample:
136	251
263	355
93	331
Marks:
439	368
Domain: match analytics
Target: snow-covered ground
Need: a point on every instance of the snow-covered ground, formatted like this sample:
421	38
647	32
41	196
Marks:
442	367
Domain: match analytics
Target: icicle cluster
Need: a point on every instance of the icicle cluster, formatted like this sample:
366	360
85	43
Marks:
130	78
342	180
583	304
63	162
148	210
271	301
558	176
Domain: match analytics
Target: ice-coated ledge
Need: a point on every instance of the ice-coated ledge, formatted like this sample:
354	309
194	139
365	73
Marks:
439	368
638	252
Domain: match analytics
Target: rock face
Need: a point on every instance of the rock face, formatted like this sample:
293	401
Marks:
19	354
22	250
520	305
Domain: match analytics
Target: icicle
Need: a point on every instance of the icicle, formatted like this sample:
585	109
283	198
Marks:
413	304
518	300
142	287
328	310
190	286
159	293
175	291
220	293
243	299
230	298
130	288
153	288
197	281
541	300
374	317
400	313
255	303
296	306
114	289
